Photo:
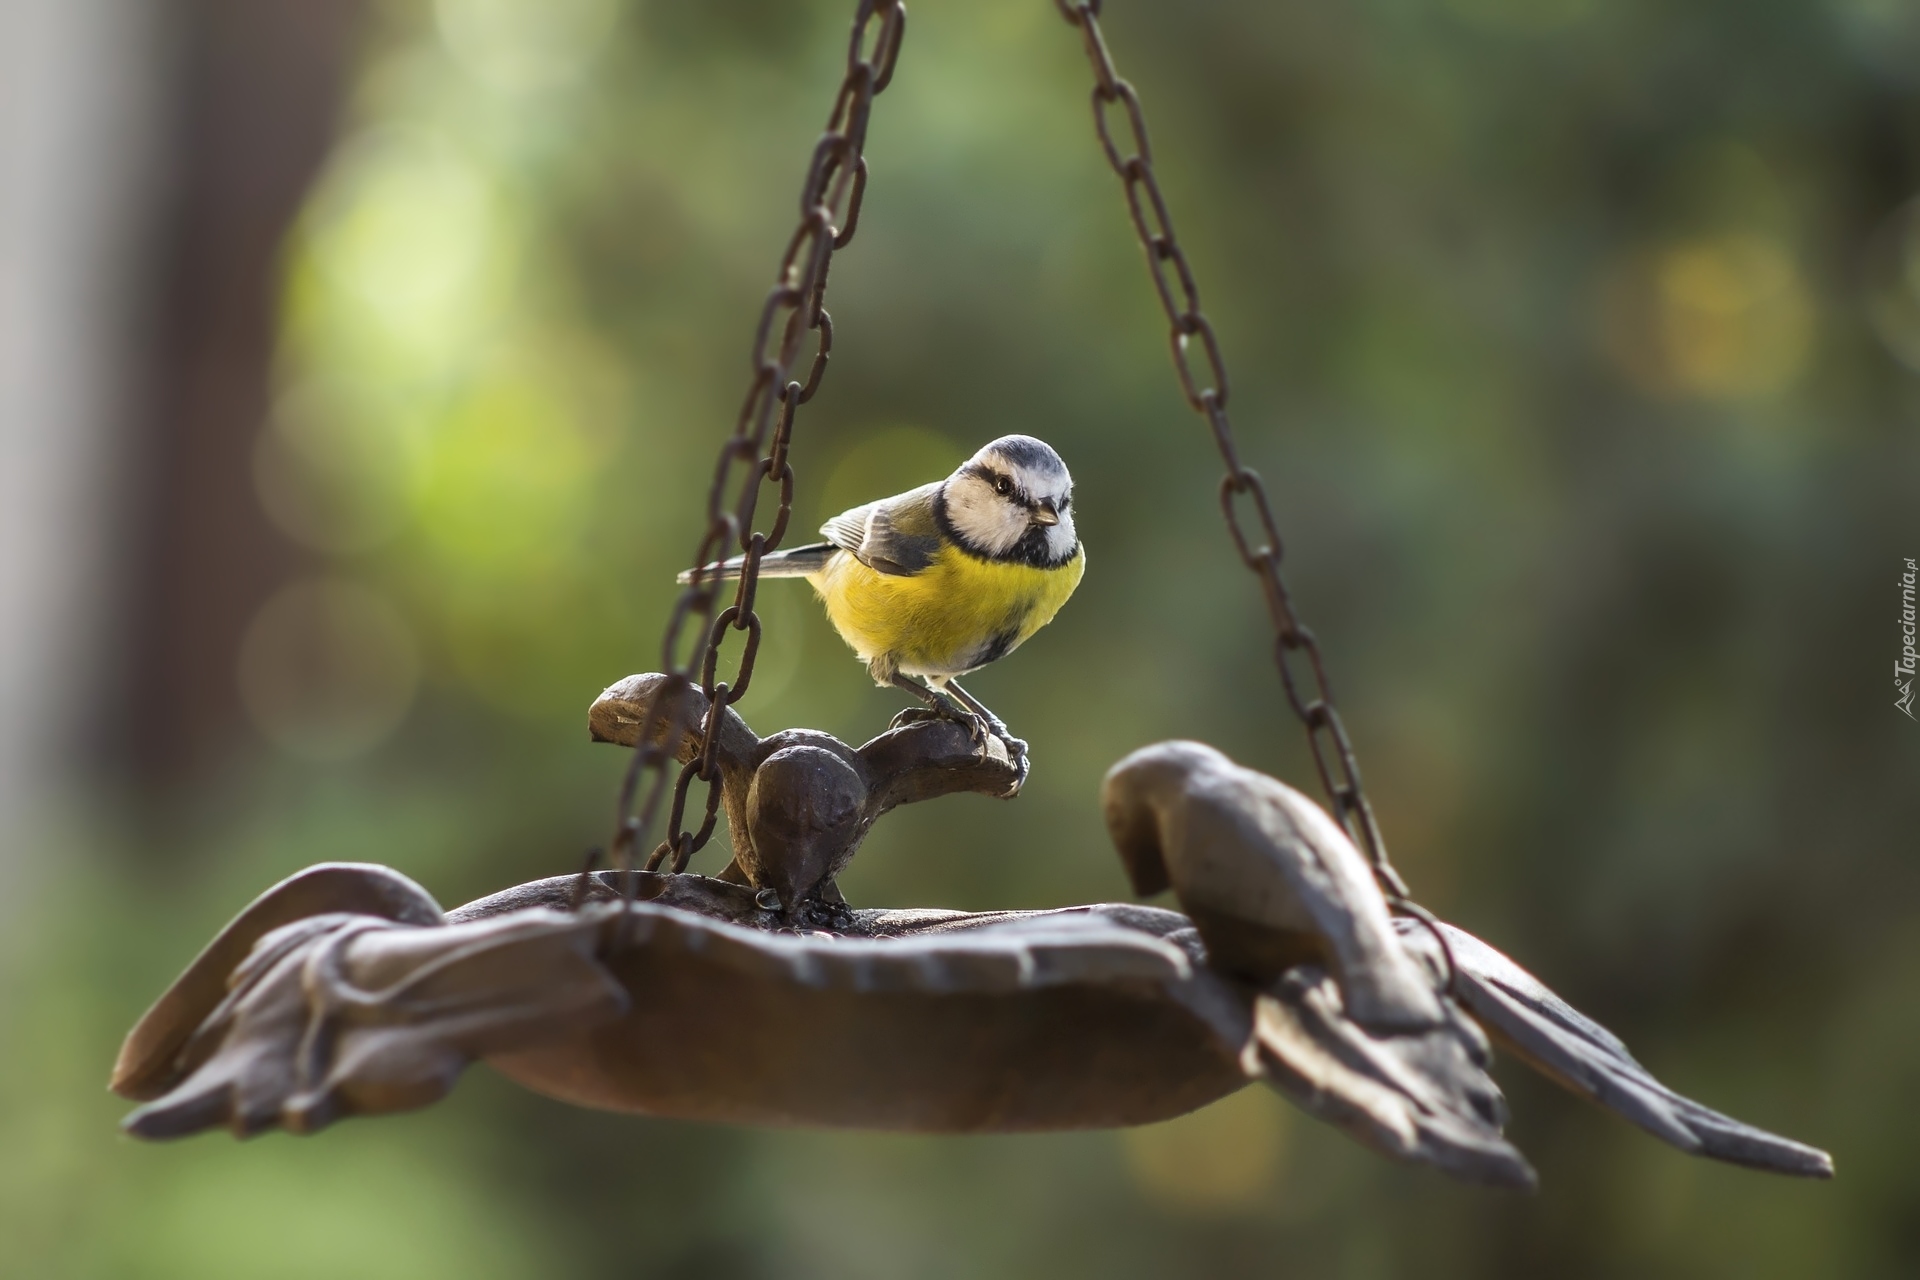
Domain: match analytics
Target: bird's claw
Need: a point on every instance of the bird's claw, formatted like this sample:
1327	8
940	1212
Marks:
1022	765
980	730
1016	751
914	715
976	726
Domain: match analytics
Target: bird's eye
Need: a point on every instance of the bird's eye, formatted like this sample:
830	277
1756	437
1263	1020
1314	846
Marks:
1002	486
1065	503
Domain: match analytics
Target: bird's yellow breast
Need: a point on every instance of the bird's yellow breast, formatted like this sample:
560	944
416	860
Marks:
956	614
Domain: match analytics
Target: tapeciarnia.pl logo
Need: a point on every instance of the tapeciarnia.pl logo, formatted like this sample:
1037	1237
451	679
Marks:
1904	664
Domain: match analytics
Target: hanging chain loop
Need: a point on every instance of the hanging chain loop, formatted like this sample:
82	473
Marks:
756	454
1203	379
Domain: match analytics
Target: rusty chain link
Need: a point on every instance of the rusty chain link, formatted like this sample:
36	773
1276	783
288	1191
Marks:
1206	389
830	211
830	197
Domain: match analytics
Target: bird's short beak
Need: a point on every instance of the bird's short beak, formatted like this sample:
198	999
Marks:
1045	516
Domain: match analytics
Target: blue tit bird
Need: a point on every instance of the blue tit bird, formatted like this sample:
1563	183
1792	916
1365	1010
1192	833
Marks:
943	579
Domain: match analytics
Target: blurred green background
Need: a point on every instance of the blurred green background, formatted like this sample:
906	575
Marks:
1579	343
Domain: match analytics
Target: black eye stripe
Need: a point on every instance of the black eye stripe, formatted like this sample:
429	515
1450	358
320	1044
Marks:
993	478
1013	489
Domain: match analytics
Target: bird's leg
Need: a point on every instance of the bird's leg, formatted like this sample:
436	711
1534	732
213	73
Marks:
941	707
1016	748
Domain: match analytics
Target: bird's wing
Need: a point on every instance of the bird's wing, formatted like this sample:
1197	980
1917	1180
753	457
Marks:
896	535
1422	1095
848	528
1578	1053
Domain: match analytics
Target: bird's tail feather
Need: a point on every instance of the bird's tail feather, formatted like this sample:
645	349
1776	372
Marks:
797	563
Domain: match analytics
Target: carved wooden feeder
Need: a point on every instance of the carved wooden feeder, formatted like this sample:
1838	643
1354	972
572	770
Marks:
761	996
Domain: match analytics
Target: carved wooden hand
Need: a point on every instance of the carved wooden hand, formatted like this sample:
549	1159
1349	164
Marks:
347	991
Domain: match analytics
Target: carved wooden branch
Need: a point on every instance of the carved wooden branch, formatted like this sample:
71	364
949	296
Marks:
800	802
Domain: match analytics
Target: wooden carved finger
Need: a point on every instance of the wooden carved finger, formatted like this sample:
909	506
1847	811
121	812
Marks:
342	1014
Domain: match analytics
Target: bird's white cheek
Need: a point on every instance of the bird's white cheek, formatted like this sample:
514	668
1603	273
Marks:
1061	538
988	523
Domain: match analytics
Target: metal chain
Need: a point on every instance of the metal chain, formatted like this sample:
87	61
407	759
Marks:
830	200
1206	390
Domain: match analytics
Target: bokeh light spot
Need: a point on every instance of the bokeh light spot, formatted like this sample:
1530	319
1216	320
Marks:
328	669
1884	35
289	1219
517	46
331	470
1725	318
1521	15
501	484
1220	1159
411	236
891	461
1893	284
